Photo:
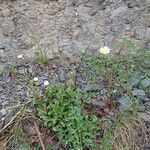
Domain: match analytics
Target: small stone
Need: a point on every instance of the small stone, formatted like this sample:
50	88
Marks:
104	91
134	82
145	99
1	88
31	69
144	116
3	111
61	75
93	87
41	80
5	103
19	87
6	47
54	66
118	11
21	70
139	93
101	1
5	79
3	97
2	54
6	12
125	102
80	80
1	68
8	27
145	82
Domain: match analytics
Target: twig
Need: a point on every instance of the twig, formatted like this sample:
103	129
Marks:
39	136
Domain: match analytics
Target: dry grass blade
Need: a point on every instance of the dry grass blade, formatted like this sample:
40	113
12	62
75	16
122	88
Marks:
129	135
11	121
16	115
39	136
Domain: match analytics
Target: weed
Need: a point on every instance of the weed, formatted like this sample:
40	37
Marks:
18	137
118	74
62	110
13	67
25	78
42	57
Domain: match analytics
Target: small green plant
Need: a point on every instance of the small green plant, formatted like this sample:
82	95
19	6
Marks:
13	67
42	57
62	110
119	73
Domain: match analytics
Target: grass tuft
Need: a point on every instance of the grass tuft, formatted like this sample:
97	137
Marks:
41	57
62	110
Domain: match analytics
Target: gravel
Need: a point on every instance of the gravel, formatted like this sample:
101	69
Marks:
125	102
145	82
139	93
68	26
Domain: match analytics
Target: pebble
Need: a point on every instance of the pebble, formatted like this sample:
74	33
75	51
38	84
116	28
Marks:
8	27
144	116
125	102
6	12
5	79
3	97
61	75
19	87
1	88
139	93
104	91
145	99
21	70
6	47
145	82
3	111
2	54
93	87
117	11
41	80
5	103
1	68
31	69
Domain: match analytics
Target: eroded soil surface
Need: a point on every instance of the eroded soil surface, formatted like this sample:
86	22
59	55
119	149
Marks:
69	25
64	25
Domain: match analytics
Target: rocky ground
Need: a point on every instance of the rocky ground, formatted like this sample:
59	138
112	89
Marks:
63	26
69	25
16	87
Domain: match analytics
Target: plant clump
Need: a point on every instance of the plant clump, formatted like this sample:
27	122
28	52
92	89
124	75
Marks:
62	110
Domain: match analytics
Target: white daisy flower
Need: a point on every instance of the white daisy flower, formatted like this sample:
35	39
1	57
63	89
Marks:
20	56
105	50
46	83
35	79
